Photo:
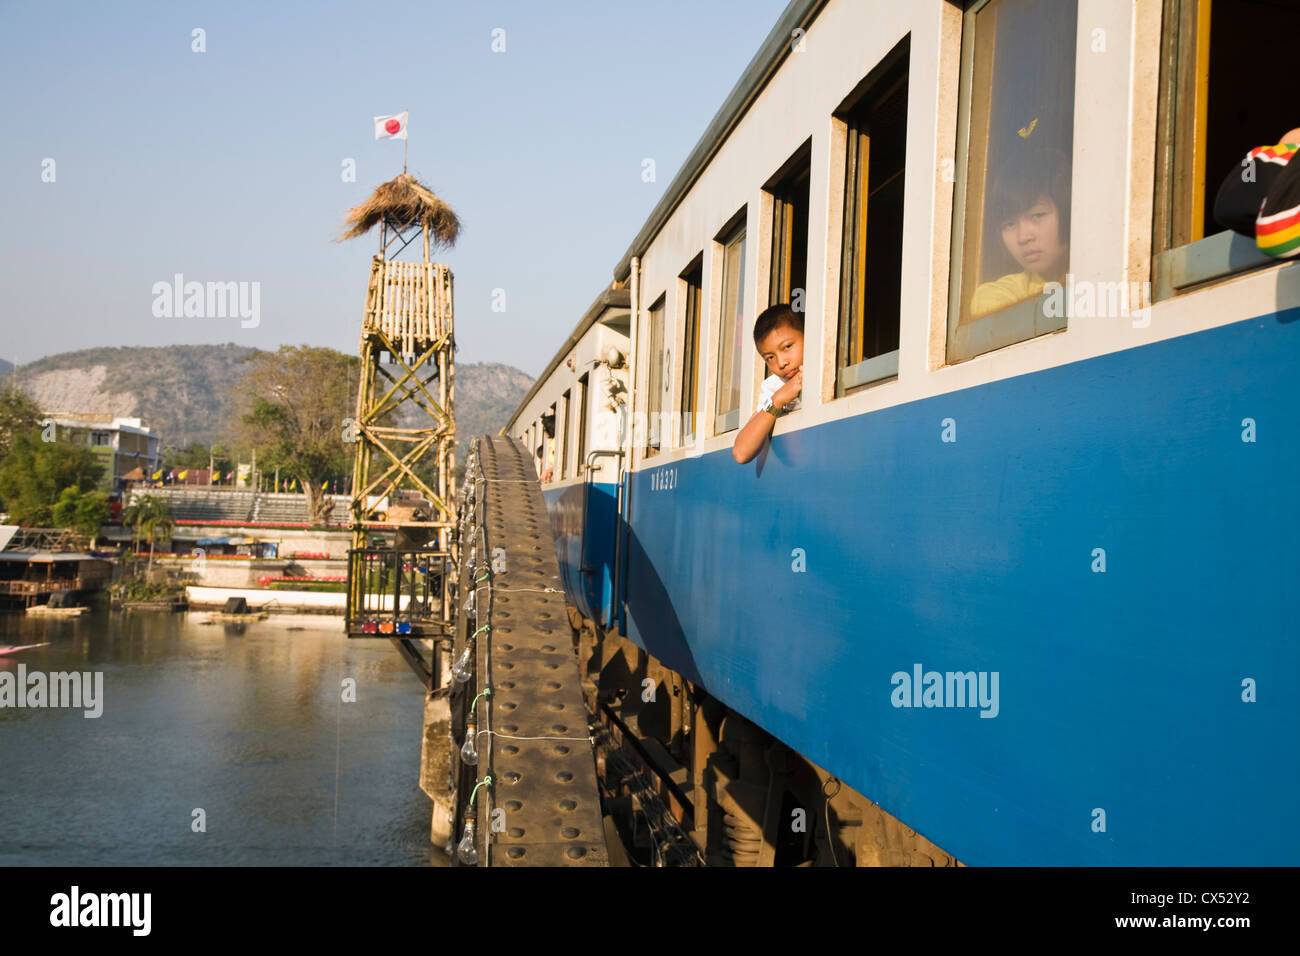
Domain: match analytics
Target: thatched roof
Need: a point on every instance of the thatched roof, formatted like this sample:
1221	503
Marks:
403	202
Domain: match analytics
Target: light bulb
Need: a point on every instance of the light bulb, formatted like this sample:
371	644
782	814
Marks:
471	605
461	670
468	754
465	851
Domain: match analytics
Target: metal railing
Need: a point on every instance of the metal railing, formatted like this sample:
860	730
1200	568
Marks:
398	593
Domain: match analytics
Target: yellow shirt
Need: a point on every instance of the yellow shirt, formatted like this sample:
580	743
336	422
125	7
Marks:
1000	293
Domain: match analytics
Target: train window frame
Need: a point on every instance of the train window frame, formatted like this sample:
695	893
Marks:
789	194
658	382
584	393
889	77
1184	257
1022	322
562	434
735	234
549	442
690	296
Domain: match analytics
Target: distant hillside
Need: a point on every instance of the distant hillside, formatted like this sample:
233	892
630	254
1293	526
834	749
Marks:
5	366
181	391
486	395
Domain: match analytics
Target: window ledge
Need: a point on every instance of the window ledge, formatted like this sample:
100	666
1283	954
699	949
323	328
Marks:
1215	257
868	371
1012	325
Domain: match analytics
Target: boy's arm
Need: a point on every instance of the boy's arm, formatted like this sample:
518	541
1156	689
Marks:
759	426
752	436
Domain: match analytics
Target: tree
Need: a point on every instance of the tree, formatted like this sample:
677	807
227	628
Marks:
198	456
18	415
293	406
83	512
149	517
35	472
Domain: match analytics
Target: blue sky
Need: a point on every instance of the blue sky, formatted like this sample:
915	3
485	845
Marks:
226	165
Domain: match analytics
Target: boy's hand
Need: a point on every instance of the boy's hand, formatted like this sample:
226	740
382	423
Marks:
789	391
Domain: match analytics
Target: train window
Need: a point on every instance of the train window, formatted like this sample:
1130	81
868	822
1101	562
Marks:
1211	112
580	460
692	289
562	423
731	336
656	381
548	445
871	253
1016	137
788	281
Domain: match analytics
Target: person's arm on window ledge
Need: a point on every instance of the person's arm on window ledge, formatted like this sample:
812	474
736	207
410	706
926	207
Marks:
759	427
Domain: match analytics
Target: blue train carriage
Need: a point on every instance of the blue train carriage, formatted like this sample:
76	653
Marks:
571	421
1010	586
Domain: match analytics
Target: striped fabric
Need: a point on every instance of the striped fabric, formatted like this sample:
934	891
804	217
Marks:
1238	202
1277	228
1280	154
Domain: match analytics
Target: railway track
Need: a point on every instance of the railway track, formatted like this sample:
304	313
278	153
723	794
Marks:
527	795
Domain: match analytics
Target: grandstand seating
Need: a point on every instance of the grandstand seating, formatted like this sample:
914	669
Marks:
205	504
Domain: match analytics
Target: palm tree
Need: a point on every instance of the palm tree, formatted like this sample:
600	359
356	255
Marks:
150	518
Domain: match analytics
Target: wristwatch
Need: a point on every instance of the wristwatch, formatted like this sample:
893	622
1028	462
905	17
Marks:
771	409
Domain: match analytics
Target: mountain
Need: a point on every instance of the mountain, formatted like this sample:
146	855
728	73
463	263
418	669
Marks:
181	391
486	395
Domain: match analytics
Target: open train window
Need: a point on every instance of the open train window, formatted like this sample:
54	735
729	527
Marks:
692	294
871	252
731	331
562	423
548	445
1217	102
788	280
656	380
580	460
1015	142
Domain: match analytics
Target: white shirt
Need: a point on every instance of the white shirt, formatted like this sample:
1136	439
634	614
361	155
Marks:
768	389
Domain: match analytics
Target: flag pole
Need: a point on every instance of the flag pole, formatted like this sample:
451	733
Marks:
405	140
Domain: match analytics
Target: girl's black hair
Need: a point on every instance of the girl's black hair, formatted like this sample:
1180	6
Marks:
1031	177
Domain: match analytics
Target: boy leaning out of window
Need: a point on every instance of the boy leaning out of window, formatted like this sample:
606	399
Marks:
778	336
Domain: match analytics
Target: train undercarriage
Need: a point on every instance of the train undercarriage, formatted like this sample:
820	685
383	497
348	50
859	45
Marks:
687	781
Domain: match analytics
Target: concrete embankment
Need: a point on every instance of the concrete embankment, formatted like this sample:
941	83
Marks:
308	602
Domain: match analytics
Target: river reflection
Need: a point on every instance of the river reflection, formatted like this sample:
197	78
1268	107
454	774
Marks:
246	723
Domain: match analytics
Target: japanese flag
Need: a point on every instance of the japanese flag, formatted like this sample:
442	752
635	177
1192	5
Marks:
391	127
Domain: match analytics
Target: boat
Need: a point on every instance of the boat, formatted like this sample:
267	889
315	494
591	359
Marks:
45	609
15	648
235	611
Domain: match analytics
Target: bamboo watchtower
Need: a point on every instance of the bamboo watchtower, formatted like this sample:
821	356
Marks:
403	483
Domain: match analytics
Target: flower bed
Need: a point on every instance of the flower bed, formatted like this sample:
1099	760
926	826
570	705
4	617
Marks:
266	580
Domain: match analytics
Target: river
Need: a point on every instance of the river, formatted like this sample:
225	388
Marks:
247	725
